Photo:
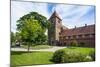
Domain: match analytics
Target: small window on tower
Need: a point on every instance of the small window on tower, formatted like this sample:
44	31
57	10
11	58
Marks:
59	21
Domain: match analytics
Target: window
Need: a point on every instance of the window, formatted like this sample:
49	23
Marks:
80	36
58	21
77	36
92	35
83	36
86	35
67	37
64	37
71	37
74	36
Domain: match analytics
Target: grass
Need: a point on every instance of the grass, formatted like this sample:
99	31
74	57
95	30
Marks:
38	46
82	50
40	57
30	58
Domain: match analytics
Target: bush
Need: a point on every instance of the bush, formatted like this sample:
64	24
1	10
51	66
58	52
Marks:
58	56
92	54
74	57
74	43
87	59
61	56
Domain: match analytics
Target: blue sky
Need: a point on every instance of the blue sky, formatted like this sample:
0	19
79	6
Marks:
71	15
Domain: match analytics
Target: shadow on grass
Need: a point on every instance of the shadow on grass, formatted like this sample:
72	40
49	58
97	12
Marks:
19	52
71	47
51	60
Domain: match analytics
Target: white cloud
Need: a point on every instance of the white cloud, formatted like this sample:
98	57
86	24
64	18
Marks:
72	14
18	9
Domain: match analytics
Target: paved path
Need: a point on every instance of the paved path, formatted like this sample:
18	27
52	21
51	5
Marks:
53	49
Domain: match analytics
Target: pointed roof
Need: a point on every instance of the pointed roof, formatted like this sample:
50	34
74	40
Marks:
55	14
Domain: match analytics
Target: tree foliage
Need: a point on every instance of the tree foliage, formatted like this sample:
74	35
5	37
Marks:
35	16
31	30
74	43
12	38
32	27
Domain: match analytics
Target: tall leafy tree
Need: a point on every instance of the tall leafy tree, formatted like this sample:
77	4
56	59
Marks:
30	31
32	27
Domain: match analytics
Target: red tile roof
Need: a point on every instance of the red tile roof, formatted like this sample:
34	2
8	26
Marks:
90	29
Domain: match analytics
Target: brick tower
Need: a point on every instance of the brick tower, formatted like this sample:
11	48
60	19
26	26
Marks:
55	29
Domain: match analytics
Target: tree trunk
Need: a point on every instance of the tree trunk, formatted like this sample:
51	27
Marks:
29	44
28	47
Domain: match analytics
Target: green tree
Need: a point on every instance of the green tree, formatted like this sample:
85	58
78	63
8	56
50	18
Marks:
32	27
12	38
18	37
30	31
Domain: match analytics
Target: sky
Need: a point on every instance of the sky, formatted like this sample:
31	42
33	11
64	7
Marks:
71	15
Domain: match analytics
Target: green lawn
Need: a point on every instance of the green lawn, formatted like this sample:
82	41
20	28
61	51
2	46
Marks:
30	58
38	46
37	57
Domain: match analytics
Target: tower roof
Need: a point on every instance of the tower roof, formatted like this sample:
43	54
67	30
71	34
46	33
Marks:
55	14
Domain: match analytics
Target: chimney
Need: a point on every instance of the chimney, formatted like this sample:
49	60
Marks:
85	25
75	27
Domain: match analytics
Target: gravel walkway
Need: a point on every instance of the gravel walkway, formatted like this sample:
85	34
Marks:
53	49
